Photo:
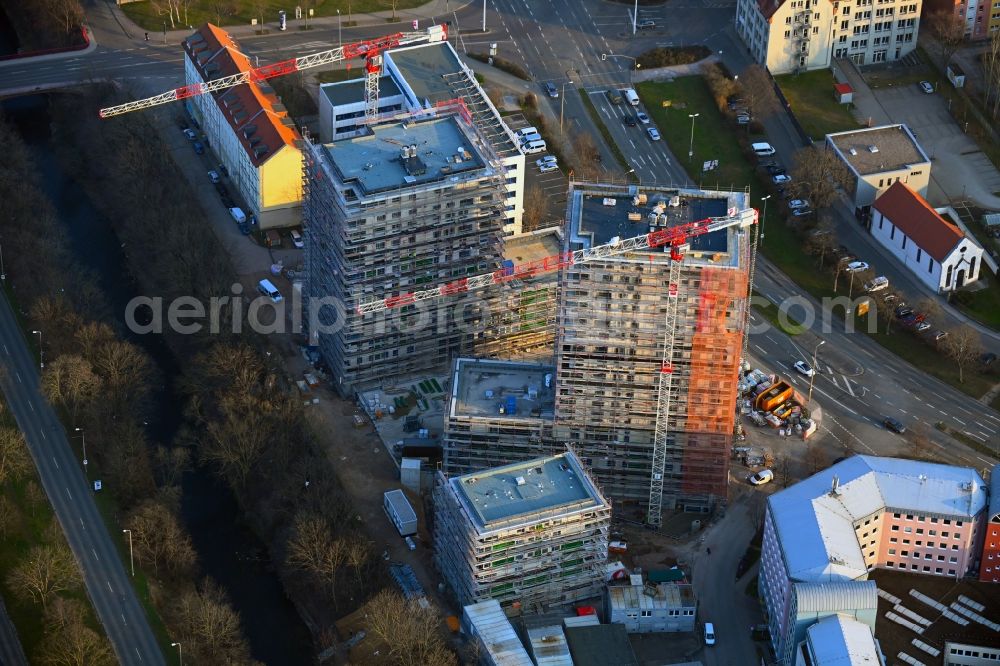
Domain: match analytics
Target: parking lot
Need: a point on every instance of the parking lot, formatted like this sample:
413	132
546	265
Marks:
552	183
959	165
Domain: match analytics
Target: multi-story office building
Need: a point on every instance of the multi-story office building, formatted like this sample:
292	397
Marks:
418	78
860	514
411	202
248	128
612	332
533	533
799	35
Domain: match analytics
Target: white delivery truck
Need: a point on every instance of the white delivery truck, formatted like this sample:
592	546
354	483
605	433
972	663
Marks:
238	215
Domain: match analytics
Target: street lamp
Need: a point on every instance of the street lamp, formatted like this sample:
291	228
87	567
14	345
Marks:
131	560
812	377
180	652
41	353
763	217
692	116
484	15
3	273
562	102
340	30
83	436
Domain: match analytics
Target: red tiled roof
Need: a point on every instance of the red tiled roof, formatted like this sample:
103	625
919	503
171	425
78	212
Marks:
843	88
912	215
215	55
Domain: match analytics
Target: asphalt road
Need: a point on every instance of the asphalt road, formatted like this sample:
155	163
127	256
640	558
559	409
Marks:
11	652
62	477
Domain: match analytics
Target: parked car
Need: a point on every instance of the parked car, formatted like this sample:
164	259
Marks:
776	170
525	131
903	310
643	118
296	239
198	148
551	90
761	477
190	134
742	118
214	176
223	170
629	120
762	149
940	335
654	133
646	24
781	179
893	425
736	102
804	368
857	267
923	326
802	212
547	167
798	203
410	543
987	359
221	189
889	298
244	228
614	96
877	284
926	87
548	159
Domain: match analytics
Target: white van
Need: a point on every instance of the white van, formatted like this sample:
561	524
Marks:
709	633
525	131
267	288
532	147
237	215
528	138
631	96
762	149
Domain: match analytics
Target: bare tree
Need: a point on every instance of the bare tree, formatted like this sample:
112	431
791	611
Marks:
758	88
407	630
948	30
10	516
67	12
918	444
313	549
45	571
159	539
236	443
14	459
586	151
929	306
962	346
68	639
822	241
816	458
862	277
817	175
70	382
536	208
259	8
886	310
991	73
33	495
208	626
781	469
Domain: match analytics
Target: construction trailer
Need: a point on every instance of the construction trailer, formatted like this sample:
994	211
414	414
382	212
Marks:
487	624
399	511
647	354
532	534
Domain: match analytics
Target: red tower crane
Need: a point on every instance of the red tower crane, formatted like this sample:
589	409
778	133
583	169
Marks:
370	49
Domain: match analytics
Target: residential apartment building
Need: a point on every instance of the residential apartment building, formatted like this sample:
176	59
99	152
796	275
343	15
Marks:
532	533
979	17
413	201
837	640
932	247
248	128
989	568
800	35
612	330
864	513
418	78
879	157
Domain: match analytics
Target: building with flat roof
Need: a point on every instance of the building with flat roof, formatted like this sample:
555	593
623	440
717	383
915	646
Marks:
644	607
933	248
600	645
611	333
533	533
487	624
248	128
839	641
419	78
861	514
413	201
878	157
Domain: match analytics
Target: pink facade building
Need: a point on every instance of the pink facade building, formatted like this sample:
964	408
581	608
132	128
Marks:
864	512
989	567
975	14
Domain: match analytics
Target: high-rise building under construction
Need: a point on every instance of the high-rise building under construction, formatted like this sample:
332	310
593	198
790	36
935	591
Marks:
647	355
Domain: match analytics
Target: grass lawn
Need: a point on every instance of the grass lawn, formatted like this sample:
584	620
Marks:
242	12
810	95
770	312
983	304
715	139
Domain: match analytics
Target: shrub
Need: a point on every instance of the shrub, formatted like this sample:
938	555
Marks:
670	56
503	65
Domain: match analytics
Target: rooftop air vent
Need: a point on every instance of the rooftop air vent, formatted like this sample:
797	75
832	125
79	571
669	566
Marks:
249	131
853	151
520	480
254	141
260	150
873	148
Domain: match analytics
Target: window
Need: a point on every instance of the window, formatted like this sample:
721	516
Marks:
893	540
919	252
895	528
908	530
920	530
788	33
892	551
906	541
904	553
647	613
892	235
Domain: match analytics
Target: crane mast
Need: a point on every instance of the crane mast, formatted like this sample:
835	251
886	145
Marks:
370	49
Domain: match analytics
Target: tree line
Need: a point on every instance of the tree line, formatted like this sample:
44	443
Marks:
242	418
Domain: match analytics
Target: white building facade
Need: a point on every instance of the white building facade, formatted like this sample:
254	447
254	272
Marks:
933	248
799	35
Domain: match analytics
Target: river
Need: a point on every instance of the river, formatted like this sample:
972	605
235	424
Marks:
227	550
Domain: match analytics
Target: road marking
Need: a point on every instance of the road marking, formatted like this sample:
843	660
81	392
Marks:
109	586
972	435
31	405
783	365
959	420
68	494
848	383
866	352
943	412
889	402
892	368
126	623
6	350
983	433
81	523
18	377
829	370
985	427
988	462
837	401
95	554
834	380
904	411
877	396
43	435
760	349
55	461
966	411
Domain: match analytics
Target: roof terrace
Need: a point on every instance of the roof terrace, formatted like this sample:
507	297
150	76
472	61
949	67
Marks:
502	389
